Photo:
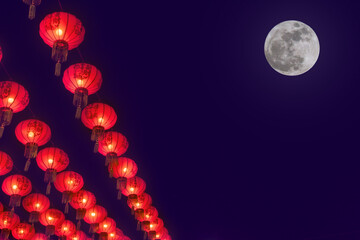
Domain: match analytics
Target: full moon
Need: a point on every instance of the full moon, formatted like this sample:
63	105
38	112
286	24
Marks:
292	48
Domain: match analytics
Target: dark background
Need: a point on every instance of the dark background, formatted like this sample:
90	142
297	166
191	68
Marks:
229	148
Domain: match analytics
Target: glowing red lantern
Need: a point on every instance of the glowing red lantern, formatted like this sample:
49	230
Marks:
142	202
160	234
51	160
82	79
16	186
134	186
166	237
63	32
39	236
117	234
13	98
8	220
122	169
150	214
94	216
35	204
32	8
81	201
68	182
23	231
51	218
155	225
78	235
6	163
32	133
98	117
106	226
113	145
65	229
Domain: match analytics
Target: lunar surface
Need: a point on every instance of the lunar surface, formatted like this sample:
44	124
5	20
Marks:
292	48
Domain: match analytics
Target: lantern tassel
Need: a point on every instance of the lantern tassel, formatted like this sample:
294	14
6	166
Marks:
15	201
58	69
4	233
27	165
66	211
132	211
145	236
32	10
111	172
49	230
1	131
119	195
78	225
78	112
118	183
138	226
96	146
34	217
48	188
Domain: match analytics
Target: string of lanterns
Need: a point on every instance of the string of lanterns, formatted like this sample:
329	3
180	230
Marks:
38	206
33	133
63	32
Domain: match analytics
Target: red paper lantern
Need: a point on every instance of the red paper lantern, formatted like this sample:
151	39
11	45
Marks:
39	236
51	160
81	201
32	133
117	234
166	237
160	234
78	235
82	79
149	215
13	98
63	32
122	168
113	145
8	220
68	182
6	163
16	186
106	226
98	117
155	225
23	231
67	228
134	186
94	216
32	8
35	204
142	202
50	219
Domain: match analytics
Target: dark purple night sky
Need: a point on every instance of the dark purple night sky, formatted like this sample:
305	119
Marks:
229	148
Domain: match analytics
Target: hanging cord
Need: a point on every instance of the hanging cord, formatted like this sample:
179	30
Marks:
60	5
81	56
